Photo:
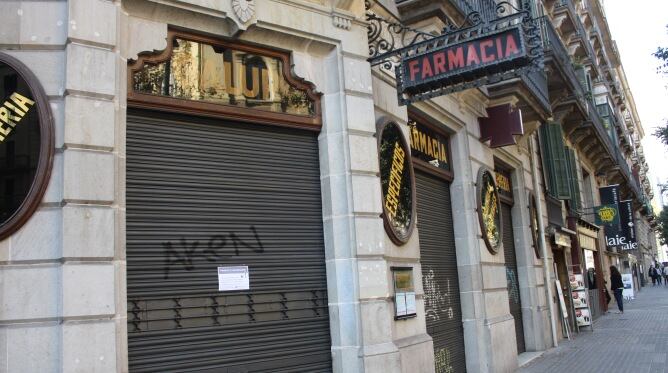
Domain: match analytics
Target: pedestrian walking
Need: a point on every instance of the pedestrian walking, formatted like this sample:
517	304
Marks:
617	286
652	274
665	275
659	274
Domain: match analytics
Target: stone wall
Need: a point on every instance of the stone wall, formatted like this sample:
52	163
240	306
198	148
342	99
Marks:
60	272
62	276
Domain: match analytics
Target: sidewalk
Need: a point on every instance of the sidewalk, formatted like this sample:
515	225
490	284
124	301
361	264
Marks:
636	341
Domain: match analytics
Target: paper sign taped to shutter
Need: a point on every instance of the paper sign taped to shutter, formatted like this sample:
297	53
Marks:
233	278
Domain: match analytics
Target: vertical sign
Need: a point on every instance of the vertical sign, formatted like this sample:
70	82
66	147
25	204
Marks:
627	225
610	196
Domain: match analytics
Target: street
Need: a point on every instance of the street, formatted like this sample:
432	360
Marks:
636	341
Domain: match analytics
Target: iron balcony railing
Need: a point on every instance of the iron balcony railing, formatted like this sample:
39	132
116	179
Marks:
579	27
537	82
556	49
613	150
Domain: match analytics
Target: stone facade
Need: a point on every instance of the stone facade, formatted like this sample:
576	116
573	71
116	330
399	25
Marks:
62	275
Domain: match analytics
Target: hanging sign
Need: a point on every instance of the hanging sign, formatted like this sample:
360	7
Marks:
606	215
489	211
397	183
26	144
627	225
502	126
469	60
429	145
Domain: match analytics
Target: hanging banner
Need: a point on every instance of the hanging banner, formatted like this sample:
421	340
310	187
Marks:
627	225
610	196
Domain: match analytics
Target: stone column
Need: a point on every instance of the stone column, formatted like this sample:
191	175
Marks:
91	265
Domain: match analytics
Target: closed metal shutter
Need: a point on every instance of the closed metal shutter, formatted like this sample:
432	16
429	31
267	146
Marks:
511	275
440	281
205	193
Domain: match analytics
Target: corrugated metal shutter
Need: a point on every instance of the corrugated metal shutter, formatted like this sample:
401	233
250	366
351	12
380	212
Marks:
205	193
438	259
512	275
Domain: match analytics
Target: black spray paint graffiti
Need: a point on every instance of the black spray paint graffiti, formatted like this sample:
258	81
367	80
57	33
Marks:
184	252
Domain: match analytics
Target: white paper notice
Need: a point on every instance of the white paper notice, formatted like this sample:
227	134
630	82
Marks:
410	303
233	278
400	299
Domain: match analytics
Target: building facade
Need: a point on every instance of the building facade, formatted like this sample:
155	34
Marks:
208	186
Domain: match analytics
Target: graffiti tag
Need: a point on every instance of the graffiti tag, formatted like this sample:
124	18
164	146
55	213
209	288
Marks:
182	253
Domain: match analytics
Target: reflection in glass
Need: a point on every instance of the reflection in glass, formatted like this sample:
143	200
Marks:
19	142
220	75
395	181
491	215
428	145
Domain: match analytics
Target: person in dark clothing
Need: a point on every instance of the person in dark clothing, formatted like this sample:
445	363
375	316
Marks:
617	286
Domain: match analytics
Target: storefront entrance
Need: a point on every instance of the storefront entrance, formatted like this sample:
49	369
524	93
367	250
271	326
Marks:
224	225
202	196
439	272
503	181
514	299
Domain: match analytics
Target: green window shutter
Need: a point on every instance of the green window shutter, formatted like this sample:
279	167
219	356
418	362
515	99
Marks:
575	203
546	158
555	165
581	73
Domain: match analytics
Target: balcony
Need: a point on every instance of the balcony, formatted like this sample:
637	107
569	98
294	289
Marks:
531	90
414	11
562	75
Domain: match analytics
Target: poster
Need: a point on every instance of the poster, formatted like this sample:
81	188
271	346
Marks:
580	299
400	301
627	279
577	281
404	293
410	303
233	278
583	317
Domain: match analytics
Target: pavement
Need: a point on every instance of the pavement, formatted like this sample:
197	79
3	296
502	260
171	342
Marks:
633	342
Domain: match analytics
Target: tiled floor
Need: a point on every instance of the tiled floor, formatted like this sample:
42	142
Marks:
636	341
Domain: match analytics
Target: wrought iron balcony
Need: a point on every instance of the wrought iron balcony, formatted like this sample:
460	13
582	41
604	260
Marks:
613	150
556	52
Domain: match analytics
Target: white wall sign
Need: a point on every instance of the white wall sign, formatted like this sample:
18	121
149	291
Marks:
233	278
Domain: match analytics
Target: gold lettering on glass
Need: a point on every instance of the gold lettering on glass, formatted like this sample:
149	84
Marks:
221	75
